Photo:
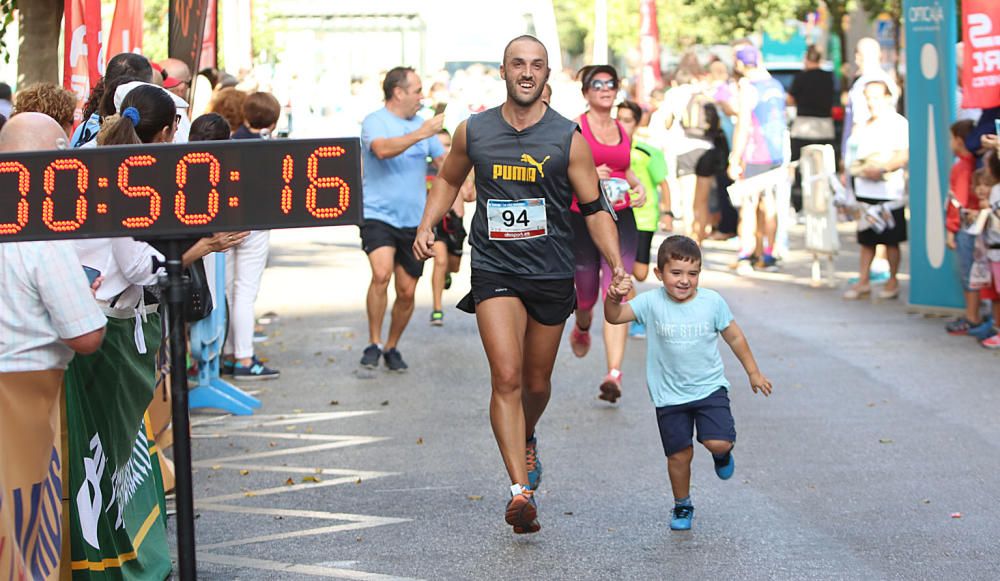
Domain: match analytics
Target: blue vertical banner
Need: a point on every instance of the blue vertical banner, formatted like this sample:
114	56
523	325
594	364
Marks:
931	81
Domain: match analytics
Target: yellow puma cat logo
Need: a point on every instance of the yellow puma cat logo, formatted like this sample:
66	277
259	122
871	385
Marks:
528	159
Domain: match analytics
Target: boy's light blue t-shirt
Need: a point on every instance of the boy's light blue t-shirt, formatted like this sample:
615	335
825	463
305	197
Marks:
683	363
396	188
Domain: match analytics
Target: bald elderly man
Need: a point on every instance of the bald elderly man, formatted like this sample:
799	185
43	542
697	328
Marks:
178	81
47	313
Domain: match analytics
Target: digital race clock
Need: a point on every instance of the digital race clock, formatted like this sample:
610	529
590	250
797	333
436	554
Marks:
161	191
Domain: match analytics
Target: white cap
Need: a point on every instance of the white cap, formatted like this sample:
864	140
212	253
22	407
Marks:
125	89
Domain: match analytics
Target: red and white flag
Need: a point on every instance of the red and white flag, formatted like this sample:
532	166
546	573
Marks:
83	62
981	65
126	28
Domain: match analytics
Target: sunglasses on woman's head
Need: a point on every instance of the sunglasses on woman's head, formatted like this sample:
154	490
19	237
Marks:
599	84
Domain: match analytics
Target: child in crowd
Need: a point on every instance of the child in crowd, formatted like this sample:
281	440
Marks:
963	210
684	370
991	237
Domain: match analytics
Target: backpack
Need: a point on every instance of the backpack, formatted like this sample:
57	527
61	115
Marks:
700	117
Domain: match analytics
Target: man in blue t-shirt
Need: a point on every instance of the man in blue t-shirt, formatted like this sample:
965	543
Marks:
395	145
684	371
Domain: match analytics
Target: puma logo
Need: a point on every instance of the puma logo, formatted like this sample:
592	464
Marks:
528	159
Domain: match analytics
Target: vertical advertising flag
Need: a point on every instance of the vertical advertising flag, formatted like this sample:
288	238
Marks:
83	54
930	108
649	48
210	40
187	27
126	28
981	67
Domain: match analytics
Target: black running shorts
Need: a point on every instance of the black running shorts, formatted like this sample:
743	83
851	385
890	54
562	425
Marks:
376	234
550	302
642	252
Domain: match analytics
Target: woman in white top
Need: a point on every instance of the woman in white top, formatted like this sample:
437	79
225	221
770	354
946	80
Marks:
880	150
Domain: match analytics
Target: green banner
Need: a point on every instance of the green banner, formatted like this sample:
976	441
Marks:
117	528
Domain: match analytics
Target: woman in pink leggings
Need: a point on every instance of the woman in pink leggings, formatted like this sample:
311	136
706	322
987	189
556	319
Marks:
612	154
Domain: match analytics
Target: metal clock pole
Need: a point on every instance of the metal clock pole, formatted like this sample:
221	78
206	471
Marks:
176	287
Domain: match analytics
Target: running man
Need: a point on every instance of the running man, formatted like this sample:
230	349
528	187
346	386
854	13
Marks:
528	161
395	144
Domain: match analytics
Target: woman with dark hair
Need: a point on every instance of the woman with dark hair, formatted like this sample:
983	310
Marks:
611	147
121	65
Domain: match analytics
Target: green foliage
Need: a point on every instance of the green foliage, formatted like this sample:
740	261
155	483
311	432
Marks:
7	8
156	29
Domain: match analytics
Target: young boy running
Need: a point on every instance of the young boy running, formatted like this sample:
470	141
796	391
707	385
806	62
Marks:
684	370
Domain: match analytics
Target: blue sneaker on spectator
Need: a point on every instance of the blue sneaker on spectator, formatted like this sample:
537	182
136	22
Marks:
682	516
982	330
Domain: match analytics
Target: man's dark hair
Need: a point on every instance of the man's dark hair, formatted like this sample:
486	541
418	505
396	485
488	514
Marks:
634	107
5	91
209	127
813	54
962	129
506	49
397	77
678	247
122	65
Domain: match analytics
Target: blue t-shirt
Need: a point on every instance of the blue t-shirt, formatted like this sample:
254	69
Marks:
683	363
396	188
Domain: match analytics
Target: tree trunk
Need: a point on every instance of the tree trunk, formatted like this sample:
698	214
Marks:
38	55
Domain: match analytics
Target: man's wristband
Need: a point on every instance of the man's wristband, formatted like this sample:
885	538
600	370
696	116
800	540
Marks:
667	213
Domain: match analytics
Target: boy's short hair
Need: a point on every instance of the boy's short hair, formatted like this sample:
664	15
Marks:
678	247
261	110
962	129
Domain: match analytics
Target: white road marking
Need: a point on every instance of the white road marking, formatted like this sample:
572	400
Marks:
344	442
266	420
291	568
285	488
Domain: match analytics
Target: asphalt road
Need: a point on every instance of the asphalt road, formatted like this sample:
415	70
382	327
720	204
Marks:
875	458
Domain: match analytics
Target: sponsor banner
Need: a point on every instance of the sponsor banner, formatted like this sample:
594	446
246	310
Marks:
210	40
31	481
117	528
930	109
981	67
187	28
126	28
83	54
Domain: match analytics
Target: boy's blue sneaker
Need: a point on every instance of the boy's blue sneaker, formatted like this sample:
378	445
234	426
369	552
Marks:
682	516
982	330
725	469
534	464
636	330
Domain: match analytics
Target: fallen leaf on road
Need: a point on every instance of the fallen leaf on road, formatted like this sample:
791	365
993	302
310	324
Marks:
249	494
289	482
956	515
358	481
926	501
885	441
244	472
297	411
871	405
331	359
334	402
318	470
312	479
289	428
386	402
296	362
309	430
420	441
568	513
216	467
318	353
272	444
474	497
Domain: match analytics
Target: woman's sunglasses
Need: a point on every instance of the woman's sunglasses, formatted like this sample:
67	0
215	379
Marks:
598	84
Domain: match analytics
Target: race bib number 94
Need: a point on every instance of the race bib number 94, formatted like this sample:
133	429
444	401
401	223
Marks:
516	219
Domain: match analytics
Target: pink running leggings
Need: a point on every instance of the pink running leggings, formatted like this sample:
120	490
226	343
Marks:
592	272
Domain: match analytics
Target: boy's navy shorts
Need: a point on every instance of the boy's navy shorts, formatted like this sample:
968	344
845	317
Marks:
711	415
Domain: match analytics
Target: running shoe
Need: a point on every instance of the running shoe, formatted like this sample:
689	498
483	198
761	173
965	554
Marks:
579	340
993	342
637	330
533	463
982	330
724	468
371	355
768	263
522	512
744	264
394	360
611	387
959	326
682	516
256	370
437	318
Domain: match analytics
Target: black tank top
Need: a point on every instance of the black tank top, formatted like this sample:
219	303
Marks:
523	195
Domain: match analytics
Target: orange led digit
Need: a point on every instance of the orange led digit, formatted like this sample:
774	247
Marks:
315	183
23	186
155	204
180	200
49	185
287	170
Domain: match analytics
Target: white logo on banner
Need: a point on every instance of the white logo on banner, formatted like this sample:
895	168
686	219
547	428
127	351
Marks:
929	66
89	500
